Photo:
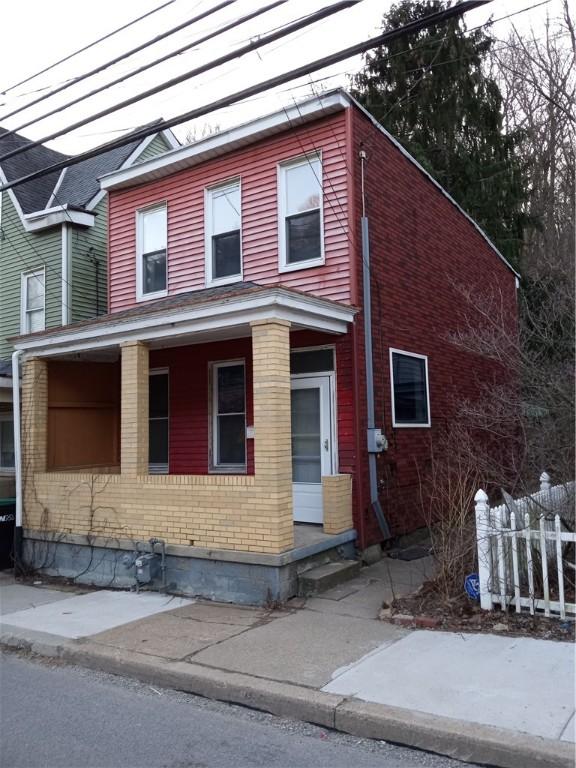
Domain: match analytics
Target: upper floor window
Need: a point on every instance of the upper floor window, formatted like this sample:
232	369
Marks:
151	271
300	213
410	392
33	301
223	236
229	416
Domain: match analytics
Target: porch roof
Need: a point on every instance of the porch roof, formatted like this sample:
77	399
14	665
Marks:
195	317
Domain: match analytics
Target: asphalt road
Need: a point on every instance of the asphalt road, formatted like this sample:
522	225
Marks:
56	716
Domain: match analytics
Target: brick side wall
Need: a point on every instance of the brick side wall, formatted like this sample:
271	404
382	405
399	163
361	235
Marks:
421	248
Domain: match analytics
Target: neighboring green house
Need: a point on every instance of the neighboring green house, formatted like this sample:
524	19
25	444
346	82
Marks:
53	249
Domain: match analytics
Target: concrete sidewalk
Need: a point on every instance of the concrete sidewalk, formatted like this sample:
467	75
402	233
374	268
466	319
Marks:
483	698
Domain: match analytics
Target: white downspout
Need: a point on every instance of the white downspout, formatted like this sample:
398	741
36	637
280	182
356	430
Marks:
17	454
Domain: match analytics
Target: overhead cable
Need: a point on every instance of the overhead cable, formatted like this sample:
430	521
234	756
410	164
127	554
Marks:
86	47
213	106
126	55
155	63
235	54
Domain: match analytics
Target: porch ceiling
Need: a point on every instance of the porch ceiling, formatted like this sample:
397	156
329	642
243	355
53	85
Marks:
193	318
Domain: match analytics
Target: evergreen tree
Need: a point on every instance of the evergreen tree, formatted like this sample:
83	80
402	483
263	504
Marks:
431	91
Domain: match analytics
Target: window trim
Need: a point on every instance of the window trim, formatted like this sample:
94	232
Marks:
283	265
160	372
402	425
6	469
214	281
215	467
24	277
140	295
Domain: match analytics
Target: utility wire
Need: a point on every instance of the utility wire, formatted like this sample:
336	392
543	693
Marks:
237	53
285	77
111	62
215	33
86	47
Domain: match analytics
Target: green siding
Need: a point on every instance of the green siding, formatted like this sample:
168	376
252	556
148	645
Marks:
86	301
157	146
22	251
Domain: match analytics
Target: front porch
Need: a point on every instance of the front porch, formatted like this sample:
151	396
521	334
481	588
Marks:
91	462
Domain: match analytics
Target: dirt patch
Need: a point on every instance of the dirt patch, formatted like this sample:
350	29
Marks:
425	609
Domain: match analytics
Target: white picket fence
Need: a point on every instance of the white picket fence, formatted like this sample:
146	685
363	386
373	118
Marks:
522	551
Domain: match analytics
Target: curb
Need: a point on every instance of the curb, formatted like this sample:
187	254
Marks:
462	740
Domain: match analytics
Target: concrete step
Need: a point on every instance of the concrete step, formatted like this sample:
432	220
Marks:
326	576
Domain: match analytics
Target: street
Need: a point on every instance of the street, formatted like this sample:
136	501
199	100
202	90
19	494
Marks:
54	716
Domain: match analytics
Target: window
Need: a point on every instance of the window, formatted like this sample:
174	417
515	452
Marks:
410	395
316	360
6	441
33	301
223	238
229	416
151	262
300	213
158	422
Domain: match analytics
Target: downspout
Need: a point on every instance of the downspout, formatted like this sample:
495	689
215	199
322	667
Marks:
376	439
358	478
17	458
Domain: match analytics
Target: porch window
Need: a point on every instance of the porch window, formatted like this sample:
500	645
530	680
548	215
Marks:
151	264
300	213
33	301
229	416
223	236
6	442
410	391
158	422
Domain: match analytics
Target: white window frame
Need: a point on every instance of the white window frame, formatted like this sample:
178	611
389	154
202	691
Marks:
140	295
7	469
208	201
214	465
402	425
25	276
160	469
283	265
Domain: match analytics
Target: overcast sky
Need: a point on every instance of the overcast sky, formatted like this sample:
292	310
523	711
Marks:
38	33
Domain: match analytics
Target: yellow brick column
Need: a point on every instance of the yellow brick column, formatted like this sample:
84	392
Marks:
272	430
34	416
134	410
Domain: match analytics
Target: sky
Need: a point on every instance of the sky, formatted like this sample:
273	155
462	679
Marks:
38	33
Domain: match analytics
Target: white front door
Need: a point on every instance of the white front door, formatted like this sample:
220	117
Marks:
311	445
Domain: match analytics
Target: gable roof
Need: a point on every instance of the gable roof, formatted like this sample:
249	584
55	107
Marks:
33	195
74	187
80	182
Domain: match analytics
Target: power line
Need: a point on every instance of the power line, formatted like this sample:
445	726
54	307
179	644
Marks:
215	33
293	74
86	47
237	53
108	64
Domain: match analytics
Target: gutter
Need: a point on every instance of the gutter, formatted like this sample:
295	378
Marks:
17	458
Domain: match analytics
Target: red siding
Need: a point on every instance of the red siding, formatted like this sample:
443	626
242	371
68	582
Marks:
257	167
190	397
421	248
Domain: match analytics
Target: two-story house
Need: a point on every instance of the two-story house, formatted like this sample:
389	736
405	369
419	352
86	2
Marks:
53	251
223	403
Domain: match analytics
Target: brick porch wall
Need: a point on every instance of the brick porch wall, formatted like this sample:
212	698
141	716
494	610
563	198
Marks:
240	512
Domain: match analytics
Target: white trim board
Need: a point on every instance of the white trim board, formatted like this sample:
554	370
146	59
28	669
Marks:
233	315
